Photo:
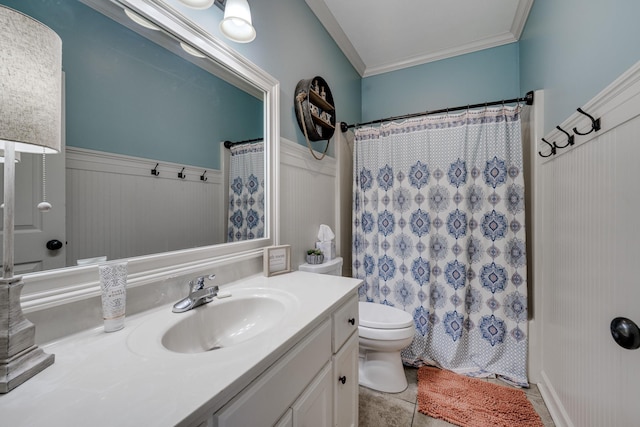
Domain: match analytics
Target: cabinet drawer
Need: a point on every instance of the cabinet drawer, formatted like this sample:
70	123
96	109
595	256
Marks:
345	322
266	399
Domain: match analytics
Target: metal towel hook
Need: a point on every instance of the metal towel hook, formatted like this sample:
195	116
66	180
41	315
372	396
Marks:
203	177
154	171
553	149
570	138
181	174
595	123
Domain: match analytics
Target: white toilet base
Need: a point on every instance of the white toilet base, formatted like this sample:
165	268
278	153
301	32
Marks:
382	371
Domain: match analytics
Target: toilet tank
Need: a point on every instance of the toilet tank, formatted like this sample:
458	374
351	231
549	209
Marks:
333	267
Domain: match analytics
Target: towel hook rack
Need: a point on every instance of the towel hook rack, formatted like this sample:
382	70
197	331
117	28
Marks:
553	149
595	123
570	138
203	177
181	174
154	171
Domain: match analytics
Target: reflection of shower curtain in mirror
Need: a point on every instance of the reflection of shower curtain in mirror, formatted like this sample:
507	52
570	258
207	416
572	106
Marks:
246	192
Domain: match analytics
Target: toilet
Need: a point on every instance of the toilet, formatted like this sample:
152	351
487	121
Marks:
384	331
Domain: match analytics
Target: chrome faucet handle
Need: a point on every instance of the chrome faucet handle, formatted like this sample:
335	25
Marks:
196	299
198	283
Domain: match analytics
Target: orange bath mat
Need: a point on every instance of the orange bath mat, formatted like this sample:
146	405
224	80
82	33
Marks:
472	402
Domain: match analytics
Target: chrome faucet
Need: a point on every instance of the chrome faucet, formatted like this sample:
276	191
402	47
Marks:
198	294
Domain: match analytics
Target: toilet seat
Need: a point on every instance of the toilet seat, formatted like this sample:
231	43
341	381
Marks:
386	334
380	316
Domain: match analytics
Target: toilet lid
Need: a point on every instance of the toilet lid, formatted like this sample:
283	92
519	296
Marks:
380	316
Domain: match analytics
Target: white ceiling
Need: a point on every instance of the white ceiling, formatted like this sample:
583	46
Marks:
379	36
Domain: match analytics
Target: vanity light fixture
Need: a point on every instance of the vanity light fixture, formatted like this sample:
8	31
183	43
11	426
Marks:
236	24
192	51
30	121
140	20
197	4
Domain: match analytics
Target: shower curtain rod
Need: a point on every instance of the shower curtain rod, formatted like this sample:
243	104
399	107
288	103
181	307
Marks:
528	99
229	144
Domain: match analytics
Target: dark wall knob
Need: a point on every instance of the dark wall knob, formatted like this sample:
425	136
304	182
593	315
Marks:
626	333
342	379
54	245
352	321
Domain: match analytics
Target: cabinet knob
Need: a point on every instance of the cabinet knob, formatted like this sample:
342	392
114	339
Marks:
342	379
352	321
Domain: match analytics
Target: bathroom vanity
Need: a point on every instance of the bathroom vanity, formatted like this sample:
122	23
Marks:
279	351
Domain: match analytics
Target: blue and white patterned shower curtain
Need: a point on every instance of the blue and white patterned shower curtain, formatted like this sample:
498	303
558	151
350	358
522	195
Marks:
246	192
438	231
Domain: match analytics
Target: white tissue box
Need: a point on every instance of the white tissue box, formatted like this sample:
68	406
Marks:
328	249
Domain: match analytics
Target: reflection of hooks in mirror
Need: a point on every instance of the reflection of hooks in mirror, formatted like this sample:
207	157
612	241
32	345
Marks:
595	123
553	149
154	171
570	138
203	177
181	174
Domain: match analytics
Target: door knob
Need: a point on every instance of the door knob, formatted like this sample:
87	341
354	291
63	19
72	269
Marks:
54	245
626	333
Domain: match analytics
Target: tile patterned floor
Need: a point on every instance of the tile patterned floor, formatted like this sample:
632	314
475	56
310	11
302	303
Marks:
401	409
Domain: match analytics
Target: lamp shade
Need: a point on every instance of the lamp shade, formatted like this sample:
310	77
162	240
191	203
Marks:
236	24
30	84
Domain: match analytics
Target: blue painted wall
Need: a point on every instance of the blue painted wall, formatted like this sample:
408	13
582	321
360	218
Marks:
129	96
291	44
573	49
487	75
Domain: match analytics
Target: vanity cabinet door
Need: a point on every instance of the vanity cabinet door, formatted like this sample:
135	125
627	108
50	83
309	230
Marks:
314	406
263	402
345	384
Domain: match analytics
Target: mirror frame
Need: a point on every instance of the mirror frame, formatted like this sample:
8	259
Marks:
56	287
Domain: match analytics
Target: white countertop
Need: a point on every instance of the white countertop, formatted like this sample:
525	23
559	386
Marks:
120	379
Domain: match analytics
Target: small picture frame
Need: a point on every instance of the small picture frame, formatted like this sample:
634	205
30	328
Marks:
277	260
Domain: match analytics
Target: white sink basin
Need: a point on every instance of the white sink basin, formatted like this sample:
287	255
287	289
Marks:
246	317
224	323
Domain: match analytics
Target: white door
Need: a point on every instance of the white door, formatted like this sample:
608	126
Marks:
33	229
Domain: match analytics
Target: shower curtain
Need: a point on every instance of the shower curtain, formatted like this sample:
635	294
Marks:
246	192
438	231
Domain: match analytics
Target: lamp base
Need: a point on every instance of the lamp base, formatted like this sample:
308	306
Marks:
20	358
22	367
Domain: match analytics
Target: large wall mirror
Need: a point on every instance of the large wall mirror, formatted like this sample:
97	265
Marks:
150	98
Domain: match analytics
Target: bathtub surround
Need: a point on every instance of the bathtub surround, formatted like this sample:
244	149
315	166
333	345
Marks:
439	231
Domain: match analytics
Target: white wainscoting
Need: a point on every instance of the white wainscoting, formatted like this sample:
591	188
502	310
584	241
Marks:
307	198
150	214
587	252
